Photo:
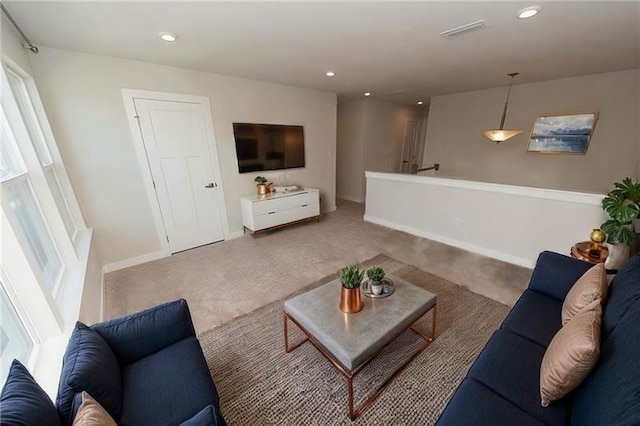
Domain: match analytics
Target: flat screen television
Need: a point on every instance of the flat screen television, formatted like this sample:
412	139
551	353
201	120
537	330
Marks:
268	146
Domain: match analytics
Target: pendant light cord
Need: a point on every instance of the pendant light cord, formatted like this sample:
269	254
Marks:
27	44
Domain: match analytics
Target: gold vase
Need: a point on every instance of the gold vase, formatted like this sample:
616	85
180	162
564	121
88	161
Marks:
350	300
263	189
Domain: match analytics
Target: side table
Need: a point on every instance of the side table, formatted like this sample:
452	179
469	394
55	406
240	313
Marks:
581	251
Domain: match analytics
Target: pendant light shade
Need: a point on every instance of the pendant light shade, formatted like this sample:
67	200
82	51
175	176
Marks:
501	135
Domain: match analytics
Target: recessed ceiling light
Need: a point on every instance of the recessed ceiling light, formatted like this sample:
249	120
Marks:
330	73
419	102
367	93
168	36
528	12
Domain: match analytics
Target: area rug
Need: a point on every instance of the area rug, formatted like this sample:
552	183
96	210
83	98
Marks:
260	384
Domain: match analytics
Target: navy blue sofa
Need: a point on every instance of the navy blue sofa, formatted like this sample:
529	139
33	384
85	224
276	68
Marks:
144	369
502	387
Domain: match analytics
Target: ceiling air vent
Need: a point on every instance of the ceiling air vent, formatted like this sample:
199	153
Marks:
463	29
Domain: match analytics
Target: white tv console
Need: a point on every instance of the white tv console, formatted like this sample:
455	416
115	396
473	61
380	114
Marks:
265	212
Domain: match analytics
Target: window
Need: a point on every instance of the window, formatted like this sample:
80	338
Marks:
36	135
15	340
21	200
43	233
23	203
29	116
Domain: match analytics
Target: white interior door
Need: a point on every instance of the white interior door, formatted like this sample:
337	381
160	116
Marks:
178	152
408	146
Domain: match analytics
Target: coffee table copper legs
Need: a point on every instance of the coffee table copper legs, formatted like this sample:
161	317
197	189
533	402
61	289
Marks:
350	375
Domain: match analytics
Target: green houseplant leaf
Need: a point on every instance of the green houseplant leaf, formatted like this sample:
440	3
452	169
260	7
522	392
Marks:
619	207
630	189
375	273
351	276
622	205
618	232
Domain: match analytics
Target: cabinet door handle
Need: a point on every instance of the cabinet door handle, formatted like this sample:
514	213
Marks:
305	205
271	213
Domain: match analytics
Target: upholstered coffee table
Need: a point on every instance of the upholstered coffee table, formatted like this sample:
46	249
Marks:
351	341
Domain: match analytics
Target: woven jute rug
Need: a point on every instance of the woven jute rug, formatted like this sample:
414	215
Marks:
260	384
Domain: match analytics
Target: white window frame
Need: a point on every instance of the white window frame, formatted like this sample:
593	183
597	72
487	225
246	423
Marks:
47	314
49	140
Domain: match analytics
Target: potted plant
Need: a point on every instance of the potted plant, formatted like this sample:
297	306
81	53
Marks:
350	301
262	185
622	205
376	275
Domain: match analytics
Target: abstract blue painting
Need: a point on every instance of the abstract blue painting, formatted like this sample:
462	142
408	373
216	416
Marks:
567	134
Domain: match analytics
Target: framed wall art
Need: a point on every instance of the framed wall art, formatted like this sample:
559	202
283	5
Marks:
562	134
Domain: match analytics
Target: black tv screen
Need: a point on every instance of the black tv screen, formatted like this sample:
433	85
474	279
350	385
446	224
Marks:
268	146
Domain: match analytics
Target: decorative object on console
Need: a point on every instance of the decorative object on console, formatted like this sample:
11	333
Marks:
289	188
263	187
622	205
375	275
562	134
351	277
501	135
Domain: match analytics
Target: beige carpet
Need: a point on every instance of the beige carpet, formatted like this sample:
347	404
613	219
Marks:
259	384
225	280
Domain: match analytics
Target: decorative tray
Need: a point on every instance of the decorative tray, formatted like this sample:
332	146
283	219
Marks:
387	290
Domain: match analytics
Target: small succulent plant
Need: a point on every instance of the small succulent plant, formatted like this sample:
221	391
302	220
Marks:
261	180
351	276
375	274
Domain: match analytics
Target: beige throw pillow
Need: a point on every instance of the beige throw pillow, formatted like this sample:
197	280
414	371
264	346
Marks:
589	287
91	413
571	354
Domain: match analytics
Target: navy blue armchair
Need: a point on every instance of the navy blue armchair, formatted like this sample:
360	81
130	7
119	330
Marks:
144	369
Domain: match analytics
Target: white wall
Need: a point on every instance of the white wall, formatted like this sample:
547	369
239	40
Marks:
350	146
456	122
506	222
370	135
82	95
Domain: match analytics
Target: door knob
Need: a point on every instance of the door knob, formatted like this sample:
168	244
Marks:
211	185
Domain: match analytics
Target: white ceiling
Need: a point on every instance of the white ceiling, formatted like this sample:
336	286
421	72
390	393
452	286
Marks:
382	47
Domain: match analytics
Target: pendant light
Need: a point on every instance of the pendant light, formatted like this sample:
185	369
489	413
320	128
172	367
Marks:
502	135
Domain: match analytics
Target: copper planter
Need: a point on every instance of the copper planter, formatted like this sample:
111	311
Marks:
350	300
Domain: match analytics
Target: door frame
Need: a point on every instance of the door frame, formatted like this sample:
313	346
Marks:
128	96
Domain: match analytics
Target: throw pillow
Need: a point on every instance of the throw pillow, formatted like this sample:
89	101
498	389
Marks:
24	402
571	355
589	287
206	417
89	365
91	413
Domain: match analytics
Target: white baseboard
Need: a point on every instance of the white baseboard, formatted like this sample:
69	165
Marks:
505	257
350	198
126	263
330	209
234	235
